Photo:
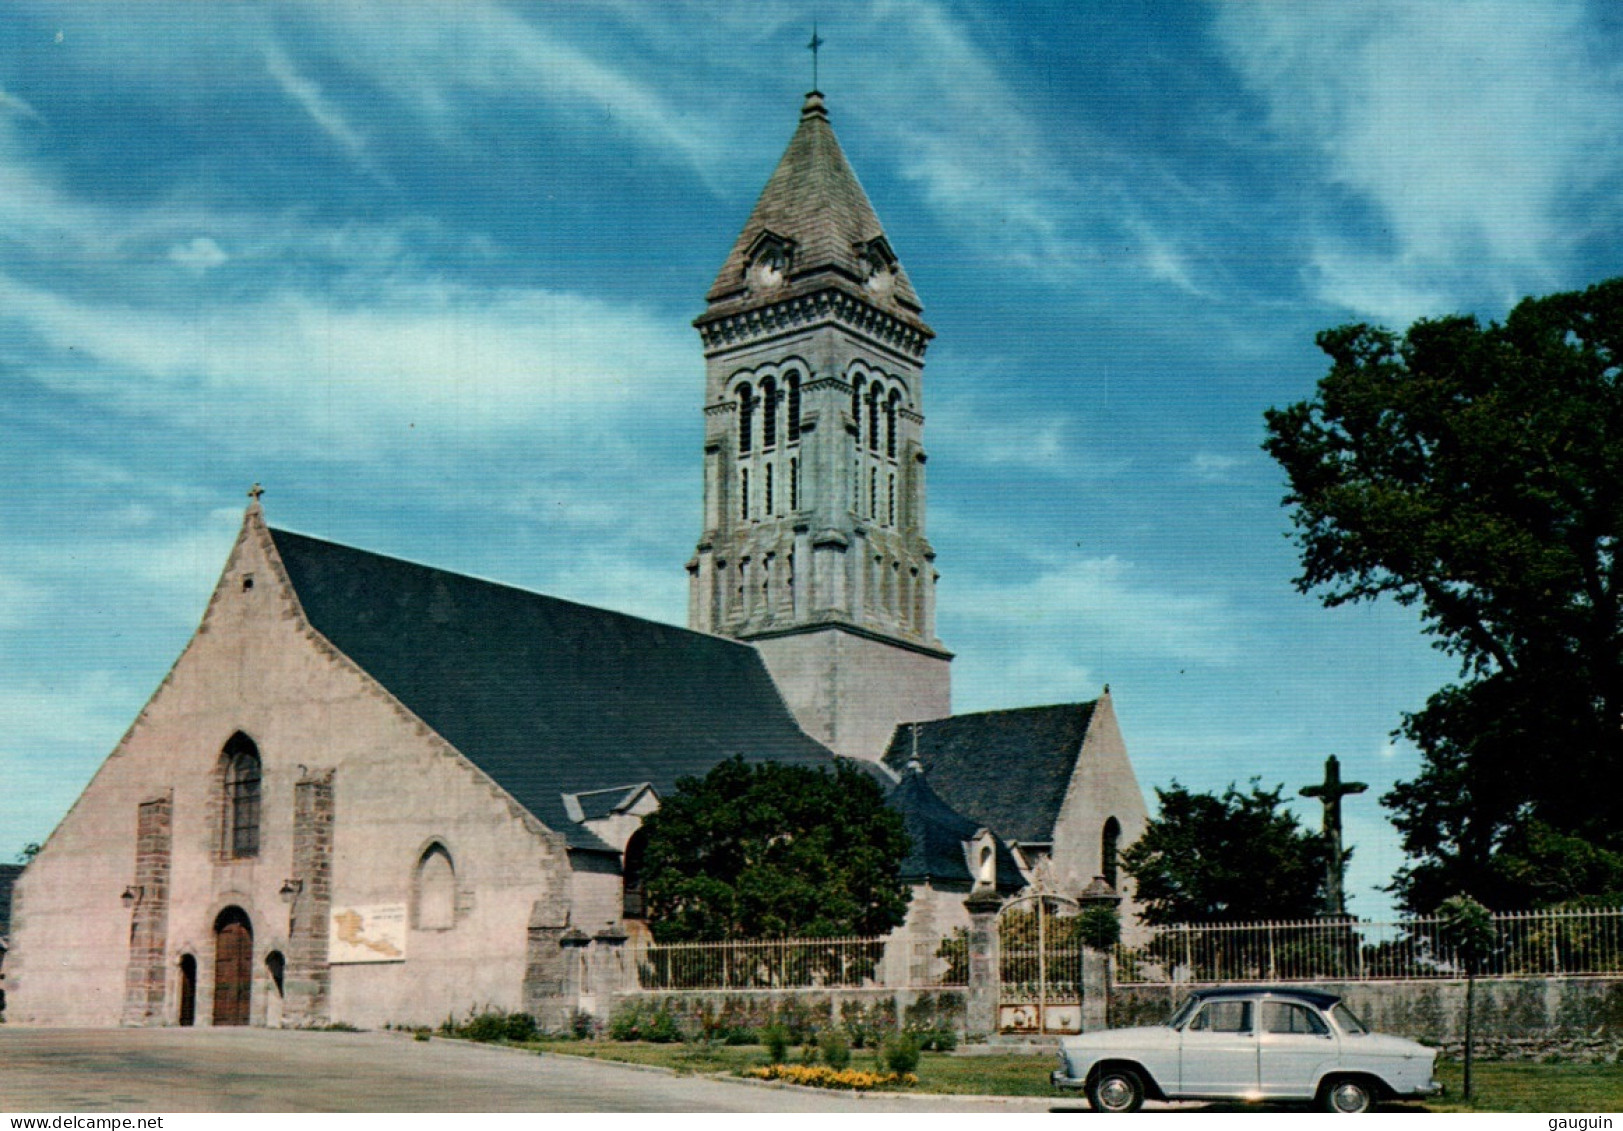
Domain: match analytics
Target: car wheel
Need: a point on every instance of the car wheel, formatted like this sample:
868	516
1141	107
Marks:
1347	1096
1116	1089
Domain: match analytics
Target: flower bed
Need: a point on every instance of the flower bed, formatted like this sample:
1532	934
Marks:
819	1076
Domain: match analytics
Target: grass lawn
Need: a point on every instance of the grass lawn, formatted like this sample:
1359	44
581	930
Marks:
938	1072
1576	1088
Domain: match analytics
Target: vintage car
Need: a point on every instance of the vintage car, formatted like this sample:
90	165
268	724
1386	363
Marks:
1255	1043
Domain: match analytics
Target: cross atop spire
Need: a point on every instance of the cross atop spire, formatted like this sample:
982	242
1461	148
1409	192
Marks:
816	42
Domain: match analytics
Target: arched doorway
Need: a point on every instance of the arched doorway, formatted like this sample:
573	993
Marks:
233	966
188	990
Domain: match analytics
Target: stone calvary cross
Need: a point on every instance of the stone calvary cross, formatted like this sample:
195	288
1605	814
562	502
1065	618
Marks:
1330	791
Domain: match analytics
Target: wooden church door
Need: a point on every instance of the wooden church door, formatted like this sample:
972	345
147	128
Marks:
233	967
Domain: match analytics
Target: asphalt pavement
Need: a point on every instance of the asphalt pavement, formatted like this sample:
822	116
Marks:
52	1071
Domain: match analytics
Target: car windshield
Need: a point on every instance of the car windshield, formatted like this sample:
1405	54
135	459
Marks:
1347	1021
1181	1014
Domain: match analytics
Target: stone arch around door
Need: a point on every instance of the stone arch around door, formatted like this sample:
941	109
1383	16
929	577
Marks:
233	966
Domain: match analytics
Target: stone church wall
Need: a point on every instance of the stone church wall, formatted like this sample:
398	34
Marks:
1103	786
396	789
849	692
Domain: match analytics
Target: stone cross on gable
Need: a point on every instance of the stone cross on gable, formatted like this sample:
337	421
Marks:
1330	791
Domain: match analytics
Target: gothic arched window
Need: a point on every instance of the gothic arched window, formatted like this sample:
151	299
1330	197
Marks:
794	406
890	423
1109	850
794	483
633	887
769	414
746	418
767	510
242	775
744	494
856	409
434	889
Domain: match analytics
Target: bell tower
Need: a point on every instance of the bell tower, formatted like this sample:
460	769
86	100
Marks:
813	547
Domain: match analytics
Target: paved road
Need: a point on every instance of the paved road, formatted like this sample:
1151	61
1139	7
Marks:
234	1070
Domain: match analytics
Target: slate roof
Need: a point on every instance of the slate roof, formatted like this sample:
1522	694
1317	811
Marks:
938	833
814	199
546	696
8	877
1007	770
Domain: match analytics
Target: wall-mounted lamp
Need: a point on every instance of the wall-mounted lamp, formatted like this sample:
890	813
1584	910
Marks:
132	896
290	890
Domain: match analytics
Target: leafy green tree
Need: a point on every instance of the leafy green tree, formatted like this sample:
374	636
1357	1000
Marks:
1476	473
767	850
1232	858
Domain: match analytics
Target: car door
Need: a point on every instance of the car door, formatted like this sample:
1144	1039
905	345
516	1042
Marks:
1217	1054
1294	1045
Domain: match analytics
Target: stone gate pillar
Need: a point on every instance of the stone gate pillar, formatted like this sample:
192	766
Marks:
980	1018
1097	964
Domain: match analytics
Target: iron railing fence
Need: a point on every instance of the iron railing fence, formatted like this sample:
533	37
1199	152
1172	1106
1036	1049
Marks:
1570	942
804	964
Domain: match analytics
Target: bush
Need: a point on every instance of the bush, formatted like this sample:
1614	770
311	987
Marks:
662	1029
582	1025
776	1039
626	1024
521	1027
935	1040
836	1050
900	1053
1099	926
488	1026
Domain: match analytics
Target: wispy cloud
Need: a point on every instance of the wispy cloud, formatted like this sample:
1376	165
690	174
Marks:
1469	129
320	109
432	356
1107	603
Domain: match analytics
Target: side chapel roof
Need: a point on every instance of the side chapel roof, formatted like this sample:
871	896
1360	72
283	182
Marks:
814	202
546	696
939	834
1007	770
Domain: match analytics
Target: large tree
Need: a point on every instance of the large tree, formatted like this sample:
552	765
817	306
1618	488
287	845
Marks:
1229	858
1476	472
765	850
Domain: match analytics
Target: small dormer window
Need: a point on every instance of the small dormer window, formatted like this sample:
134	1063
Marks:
878	265
768	262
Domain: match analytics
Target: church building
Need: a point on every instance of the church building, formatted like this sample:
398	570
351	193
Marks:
370	791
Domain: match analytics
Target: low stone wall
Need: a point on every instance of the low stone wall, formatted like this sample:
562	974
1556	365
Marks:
802	1012
1520	1018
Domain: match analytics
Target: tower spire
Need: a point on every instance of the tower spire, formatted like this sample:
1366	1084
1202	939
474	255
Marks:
813	545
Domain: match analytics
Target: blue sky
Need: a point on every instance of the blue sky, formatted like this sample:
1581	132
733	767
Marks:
426	271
